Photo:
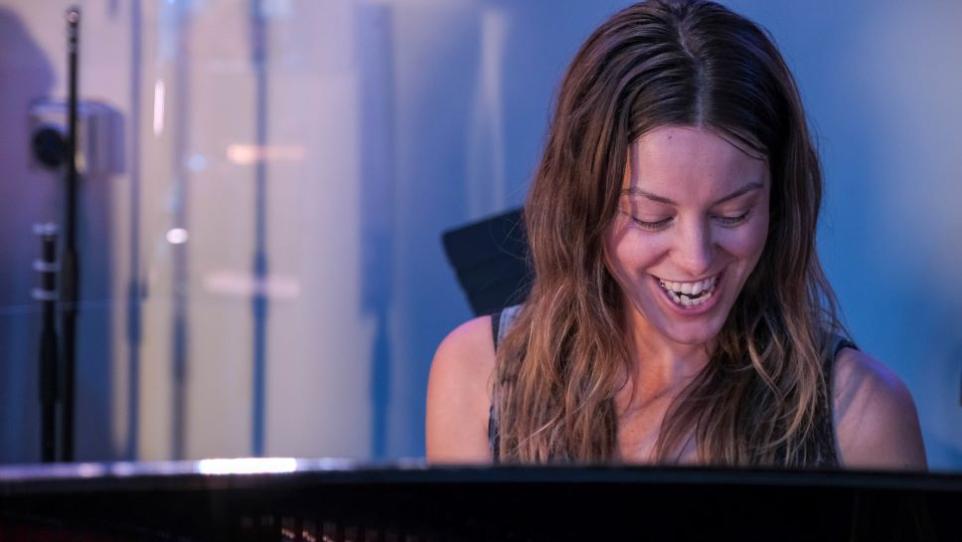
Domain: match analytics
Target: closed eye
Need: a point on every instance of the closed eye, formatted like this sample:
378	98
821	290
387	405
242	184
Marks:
733	220
728	221
654	226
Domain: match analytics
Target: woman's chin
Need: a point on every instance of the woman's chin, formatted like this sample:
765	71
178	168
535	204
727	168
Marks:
690	333
676	328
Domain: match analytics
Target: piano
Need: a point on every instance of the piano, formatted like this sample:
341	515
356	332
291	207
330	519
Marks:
330	500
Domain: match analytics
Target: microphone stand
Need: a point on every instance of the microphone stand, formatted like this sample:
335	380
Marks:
47	295
70	281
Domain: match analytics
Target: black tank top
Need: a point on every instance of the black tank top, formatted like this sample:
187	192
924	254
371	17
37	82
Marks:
824	435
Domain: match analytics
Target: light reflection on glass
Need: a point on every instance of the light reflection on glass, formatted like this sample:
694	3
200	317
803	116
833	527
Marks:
158	107
245	155
177	236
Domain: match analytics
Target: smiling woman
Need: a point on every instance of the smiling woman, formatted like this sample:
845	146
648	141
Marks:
679	312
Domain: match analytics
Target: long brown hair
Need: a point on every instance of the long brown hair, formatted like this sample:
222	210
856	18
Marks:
659	63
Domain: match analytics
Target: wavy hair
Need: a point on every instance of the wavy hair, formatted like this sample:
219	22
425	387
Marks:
657	63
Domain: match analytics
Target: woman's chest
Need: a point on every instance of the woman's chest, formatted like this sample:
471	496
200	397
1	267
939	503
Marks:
638	434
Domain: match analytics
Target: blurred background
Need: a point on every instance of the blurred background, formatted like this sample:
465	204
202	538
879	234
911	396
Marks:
268	180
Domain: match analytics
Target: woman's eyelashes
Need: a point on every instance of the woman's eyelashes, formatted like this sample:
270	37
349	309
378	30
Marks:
734	220
656	225
724	220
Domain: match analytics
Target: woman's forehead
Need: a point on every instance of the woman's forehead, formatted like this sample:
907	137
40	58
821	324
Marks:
692	161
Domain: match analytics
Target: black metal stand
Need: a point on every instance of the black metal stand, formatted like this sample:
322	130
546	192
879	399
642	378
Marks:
69	287
47	295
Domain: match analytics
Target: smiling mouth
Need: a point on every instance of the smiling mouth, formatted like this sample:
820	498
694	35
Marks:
689	294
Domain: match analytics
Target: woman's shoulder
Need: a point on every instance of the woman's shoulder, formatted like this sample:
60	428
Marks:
875	417
468	349
459	394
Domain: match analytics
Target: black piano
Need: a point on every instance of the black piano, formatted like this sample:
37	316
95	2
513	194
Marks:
310	500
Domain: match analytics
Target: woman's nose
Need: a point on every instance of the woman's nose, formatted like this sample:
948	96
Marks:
694	249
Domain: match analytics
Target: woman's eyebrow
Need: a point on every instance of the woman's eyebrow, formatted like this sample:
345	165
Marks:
635	191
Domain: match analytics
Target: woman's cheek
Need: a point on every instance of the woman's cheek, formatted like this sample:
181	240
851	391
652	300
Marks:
628	250
746	241
740	244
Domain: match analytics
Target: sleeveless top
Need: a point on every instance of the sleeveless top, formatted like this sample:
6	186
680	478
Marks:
824	425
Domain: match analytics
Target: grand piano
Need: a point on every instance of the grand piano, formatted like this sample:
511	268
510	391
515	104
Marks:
310	500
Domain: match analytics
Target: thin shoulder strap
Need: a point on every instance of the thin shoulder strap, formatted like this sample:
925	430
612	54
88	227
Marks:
831	457
840	342
500	323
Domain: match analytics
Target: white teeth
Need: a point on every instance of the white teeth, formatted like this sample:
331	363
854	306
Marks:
689	302
703	290
691	288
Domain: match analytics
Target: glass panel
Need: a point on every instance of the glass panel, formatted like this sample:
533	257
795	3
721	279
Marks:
266	183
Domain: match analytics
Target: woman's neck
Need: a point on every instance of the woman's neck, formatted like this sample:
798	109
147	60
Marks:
659	365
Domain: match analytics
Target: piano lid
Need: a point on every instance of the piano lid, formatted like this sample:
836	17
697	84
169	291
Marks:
337	499
217	471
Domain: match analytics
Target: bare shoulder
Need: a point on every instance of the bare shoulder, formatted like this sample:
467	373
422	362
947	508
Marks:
459	396
875	417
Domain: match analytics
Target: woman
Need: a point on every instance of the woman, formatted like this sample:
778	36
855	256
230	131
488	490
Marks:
679	313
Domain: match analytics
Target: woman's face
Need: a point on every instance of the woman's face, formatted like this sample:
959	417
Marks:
692	223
